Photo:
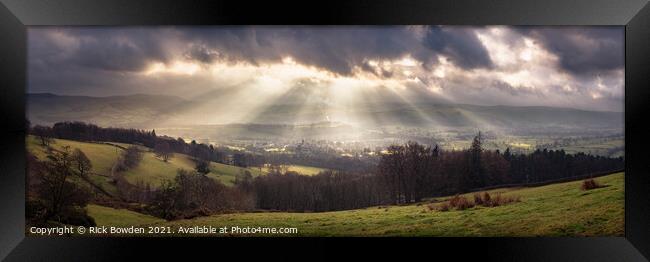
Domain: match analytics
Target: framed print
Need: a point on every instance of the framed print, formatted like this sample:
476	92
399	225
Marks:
515	127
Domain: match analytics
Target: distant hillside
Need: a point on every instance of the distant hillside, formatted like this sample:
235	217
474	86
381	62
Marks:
153	111
444	115
123	111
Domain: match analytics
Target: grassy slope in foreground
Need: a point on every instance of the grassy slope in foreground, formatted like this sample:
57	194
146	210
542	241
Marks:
553	210
106	216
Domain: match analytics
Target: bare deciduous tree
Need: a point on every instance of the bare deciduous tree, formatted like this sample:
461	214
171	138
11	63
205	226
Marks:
81	162
163	151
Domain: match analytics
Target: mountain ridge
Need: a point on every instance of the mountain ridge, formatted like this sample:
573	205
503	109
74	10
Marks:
147	111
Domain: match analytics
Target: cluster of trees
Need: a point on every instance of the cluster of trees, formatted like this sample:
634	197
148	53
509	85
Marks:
324	160
243	159
53	195
206	152
130	158
189	194
326	191
544	165
81	131
193	194
413	171
163	145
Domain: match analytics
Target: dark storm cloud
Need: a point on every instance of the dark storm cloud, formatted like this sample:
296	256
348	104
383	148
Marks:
336	49
100	49
339	50
582	50
460	45
117	56
201	53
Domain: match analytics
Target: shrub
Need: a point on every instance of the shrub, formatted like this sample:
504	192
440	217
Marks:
130	158
478	200
457	202
443	207
589	184
202	167
192	195
487	198
501	200
460	203
488	201
35	210
77	216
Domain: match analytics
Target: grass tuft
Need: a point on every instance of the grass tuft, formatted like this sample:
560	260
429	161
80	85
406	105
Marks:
589	184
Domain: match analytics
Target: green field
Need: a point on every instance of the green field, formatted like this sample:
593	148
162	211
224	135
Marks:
150	170
554	210
227	173
612	147
598	147
154	170
102	157
303	170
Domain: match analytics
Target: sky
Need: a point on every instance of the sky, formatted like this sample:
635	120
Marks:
574	67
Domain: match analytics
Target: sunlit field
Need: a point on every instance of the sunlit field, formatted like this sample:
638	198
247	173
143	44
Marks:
304	170
151	169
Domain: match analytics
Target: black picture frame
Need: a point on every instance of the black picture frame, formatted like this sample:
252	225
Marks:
16	15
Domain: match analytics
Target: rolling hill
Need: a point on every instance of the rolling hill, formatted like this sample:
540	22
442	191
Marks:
561	209
149	170
296	119
102	157
122	111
